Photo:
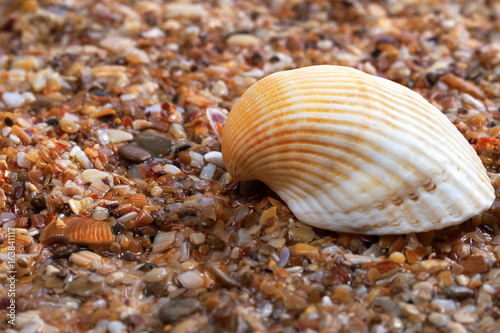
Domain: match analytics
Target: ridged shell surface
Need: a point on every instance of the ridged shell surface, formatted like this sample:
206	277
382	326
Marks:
352	152
78	230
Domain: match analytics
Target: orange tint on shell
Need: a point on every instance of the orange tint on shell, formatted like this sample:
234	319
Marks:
77	230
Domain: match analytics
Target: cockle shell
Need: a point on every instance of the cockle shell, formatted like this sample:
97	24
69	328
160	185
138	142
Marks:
352	152
77	230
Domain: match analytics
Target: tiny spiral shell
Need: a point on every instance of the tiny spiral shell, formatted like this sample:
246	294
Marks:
351	152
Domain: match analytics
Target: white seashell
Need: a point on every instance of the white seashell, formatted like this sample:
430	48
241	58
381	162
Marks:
352	152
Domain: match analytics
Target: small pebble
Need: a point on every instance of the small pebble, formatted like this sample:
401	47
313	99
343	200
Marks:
89	175
220	88
459	292
156	191
155	142
171	169
302	249
243	238
69	123
438	319
214	157
397	257
453	327
325	45
22	161
243	40
13	99
82	286
155	275
116	136
208	171
133	153
173	310
188	10
301	234
197	238
191	279
116	327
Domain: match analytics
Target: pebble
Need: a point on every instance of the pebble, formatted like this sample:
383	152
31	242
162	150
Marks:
325	45
172	310
220	88
116	136
464	317
277	243
208	171
188	10
459	292
302	249
22	161
196	159
191	279
301	234
444	305
133	153
412	312
243	237
171	169
89	175
154	275
197	238
82	286
155	142
69	123
453	327
438	319
116	326
214	157
243	40
13	99
78	153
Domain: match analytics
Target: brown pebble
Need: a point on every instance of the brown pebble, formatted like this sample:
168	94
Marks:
474	264
177	309
133	153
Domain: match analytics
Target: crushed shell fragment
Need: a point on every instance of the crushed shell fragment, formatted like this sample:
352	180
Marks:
77	230
352	152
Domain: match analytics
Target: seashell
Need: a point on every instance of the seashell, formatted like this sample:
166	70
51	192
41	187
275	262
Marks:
352	152
77	230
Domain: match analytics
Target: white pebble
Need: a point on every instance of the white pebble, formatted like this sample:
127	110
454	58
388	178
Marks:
81	157
155	275
13	99
28	96
14	138
191	279
325	45
214	157
128	97
100	213
220	88
172	169
208	172
22	161
196	159
116	326
153	108
6	130
90	174
153	33
127	217
116	136
197	238
156	191
103	136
